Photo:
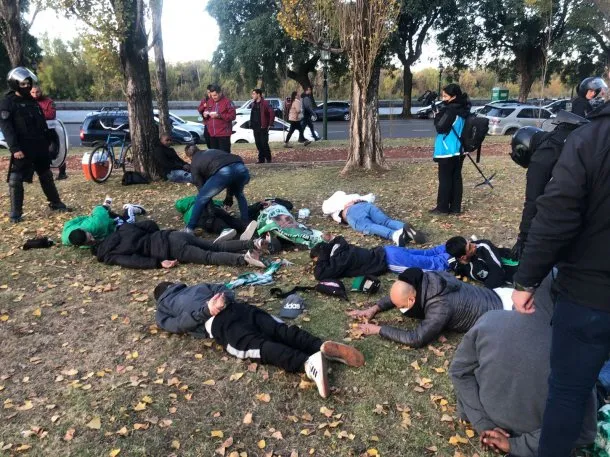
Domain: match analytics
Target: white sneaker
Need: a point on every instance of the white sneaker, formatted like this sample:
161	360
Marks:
396	237
188	230
262	244
136	209
253	258
226	234
249	232
316	370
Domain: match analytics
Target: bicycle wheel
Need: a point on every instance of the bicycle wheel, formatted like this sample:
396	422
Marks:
101	163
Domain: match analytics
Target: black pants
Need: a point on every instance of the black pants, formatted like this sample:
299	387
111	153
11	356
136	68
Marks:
307	122
220	142
62	169
261	138
450	188
19	175
206	138
187	248
295	125
216	219
249	332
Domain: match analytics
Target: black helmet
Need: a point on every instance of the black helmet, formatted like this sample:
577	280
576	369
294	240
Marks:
594	83
522	145
20	74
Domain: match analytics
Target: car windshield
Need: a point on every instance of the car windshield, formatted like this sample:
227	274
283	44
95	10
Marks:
497	112
177	119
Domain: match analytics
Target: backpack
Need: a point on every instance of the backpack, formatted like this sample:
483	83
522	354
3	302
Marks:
474	132
134	177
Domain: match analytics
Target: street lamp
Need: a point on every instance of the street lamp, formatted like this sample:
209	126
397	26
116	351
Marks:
325	57
440	78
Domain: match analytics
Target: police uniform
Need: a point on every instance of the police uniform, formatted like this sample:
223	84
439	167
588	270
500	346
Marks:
25	129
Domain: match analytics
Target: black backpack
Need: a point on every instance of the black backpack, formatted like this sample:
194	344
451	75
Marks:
474	132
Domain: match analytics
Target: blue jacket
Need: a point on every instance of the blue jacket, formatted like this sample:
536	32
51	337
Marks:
448	144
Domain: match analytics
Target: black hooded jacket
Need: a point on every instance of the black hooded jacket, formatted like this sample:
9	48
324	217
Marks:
446	303
141	245
339	259
448	112
572	228
581	106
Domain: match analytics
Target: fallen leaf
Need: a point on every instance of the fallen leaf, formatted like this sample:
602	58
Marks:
37	312
372	452
446	418
415	366
69	434
277	435
27	405
95	423
209	382
175	444
199	356
71	372
217	434
123	431
432	449
261	444
247	419
266	398
23	447
457	439
236	376
114	452
141	426
469	433
306	432
327	412
147	399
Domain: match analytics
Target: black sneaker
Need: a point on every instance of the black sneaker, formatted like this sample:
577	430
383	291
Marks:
437	211
16	219
413	234
61	176
60	207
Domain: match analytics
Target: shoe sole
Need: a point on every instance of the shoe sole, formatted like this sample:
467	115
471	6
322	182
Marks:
343	353
252	261
323	388
415	235
226	236
249	232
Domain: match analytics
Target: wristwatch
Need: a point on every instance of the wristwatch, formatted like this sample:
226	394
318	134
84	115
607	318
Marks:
522	288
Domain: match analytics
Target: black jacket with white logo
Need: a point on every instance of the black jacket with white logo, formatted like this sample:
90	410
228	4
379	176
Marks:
485	266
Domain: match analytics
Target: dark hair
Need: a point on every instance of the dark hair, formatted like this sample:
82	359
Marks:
456	246
77	237
210	86
454	90
161	287
293	95
316	251
258	91
214	88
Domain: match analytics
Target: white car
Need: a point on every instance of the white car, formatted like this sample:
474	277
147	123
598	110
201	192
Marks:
62	141
196	129
275	103
242	133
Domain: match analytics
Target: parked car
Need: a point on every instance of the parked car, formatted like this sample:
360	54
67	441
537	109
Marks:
507	118
335	111
427	112
564	104
61	140
196	129
92	131
482	109
276	104
242	133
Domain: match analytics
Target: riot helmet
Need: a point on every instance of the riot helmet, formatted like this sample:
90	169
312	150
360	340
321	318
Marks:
18	75
594	83
522	145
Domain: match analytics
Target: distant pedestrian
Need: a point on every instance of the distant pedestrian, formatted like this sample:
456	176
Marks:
262	118
309	105
588	89
449	122
219	115
295	115
47	105
201	109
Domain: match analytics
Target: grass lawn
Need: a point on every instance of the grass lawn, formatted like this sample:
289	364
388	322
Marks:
84	370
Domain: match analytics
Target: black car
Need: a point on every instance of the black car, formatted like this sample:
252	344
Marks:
335	110
92	131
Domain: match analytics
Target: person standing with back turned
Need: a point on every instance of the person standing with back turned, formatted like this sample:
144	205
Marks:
571	231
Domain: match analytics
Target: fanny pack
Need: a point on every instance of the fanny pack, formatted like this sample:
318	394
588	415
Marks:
334	288
367	284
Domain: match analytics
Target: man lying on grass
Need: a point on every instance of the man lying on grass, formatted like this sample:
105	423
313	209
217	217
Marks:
438	299
244	331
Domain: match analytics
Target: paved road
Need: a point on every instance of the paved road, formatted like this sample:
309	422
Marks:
337	130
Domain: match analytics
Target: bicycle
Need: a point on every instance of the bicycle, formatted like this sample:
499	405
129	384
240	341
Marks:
102	159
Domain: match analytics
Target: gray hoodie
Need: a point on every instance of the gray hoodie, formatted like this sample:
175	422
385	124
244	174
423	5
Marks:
500	374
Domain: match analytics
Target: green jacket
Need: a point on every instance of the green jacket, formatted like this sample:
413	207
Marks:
293	231
99	224
185	206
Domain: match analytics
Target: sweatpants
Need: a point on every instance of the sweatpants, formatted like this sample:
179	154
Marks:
187	248
399	259
247	332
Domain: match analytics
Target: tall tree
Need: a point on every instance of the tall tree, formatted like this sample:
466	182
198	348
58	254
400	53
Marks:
165	125
414	22
122	22
359	28
14	31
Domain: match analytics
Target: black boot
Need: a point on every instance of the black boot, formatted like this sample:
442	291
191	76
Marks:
48	187
15	189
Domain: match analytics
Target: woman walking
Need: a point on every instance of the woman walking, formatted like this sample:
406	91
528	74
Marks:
449	122
294	117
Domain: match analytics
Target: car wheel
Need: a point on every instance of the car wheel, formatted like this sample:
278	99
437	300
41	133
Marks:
431	115
196	138
511	131
241	141
314	117
346	117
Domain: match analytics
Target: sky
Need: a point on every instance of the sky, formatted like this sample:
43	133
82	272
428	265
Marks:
189	32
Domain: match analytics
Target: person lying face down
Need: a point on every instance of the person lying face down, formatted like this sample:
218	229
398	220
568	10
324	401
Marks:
244	331
438	299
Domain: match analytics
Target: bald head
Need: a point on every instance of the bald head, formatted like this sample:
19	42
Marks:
403	294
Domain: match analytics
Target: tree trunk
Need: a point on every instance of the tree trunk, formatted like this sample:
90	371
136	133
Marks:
133	53
301	72
365	147
407	88
165	125
527	80
11	31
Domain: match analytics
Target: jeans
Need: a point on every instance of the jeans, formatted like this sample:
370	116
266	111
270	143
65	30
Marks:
399	259
261	138
367	218
579	349
179	176
450	187
234	178
307	122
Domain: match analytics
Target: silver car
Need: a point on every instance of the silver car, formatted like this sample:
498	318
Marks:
507	118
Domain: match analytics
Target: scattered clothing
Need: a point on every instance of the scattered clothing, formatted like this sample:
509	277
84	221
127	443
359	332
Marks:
336	203
491	265
277	220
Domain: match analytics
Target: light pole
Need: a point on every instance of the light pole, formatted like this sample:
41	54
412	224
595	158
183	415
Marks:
325	57
440	78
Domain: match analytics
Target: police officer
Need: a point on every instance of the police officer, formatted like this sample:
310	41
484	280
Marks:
27	136
588	89
538	151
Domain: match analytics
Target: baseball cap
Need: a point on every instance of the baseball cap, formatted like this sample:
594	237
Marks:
292	306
